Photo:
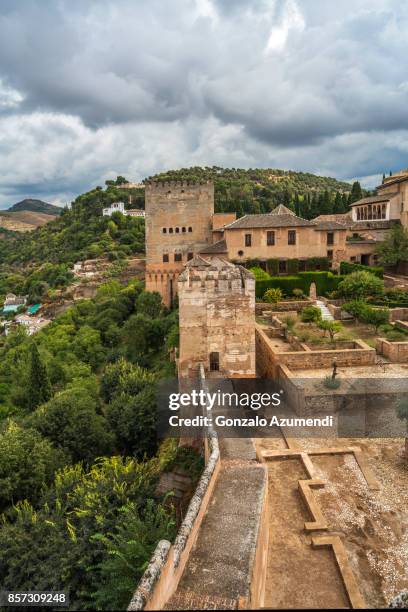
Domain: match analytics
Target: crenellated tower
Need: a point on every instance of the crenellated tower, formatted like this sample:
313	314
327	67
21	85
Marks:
217	319
178	225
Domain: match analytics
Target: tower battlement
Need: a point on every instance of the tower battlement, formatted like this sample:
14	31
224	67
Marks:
216	276
160	186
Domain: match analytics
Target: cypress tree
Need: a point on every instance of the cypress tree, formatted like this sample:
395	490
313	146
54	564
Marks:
338	203
39	383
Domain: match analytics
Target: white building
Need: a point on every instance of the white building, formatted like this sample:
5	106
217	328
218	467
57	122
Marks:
32	325
115	207
120	207
136	212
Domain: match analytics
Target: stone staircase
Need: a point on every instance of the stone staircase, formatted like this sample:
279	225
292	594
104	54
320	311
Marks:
326	314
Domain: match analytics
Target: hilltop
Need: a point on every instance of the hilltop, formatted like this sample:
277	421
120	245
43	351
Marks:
38	206
27	215
260	190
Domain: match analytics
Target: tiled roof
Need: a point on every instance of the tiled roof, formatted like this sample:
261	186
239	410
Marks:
217	247
269	220
330	225
281	209
386	197
343	218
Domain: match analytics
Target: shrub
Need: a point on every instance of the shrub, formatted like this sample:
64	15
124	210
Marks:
298	293
273	295
259	274
331	383
348	268
360	285
396	336
311	314
290	322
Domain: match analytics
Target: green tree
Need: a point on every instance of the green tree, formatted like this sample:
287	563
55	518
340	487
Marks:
38	381
133	542
150	304
27	464
133	419
394	248
331	327
70	421
360	285
356	192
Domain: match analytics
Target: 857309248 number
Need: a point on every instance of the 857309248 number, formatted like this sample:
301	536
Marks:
33	599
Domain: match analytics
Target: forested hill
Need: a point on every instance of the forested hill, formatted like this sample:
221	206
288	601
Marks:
260	190
80	232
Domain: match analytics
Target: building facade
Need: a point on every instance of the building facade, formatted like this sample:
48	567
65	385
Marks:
217	319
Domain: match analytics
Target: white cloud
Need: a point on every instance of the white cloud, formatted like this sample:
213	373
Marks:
117	86
292	20
9	98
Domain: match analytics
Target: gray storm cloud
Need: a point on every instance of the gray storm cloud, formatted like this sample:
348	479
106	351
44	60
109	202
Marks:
88	89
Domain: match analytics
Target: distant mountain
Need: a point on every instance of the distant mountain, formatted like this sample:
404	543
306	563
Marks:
37	206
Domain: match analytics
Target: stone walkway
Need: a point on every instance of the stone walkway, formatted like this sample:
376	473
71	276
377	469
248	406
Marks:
219	569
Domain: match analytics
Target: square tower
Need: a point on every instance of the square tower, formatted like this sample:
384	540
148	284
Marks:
178	225
217	319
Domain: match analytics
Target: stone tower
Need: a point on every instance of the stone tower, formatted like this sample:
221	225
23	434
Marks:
217	319
178	225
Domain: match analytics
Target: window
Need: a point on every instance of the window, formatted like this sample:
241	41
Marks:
330	237
183	229
330	255
214	362
282	267
190	229
164	230
248	240
165	258
178	257
291	237
170	230
352	258
240	253
190	256
302	265
177	230
270	238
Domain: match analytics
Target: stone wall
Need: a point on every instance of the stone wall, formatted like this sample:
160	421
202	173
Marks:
397	352
398	314
284	306
168	562
269	360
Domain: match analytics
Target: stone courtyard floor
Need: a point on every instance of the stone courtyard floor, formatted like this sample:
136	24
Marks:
372	524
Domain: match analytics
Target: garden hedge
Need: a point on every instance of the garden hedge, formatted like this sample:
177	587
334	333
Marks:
325	283
348	268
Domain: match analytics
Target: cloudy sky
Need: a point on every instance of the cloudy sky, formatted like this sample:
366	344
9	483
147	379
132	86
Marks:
94	88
